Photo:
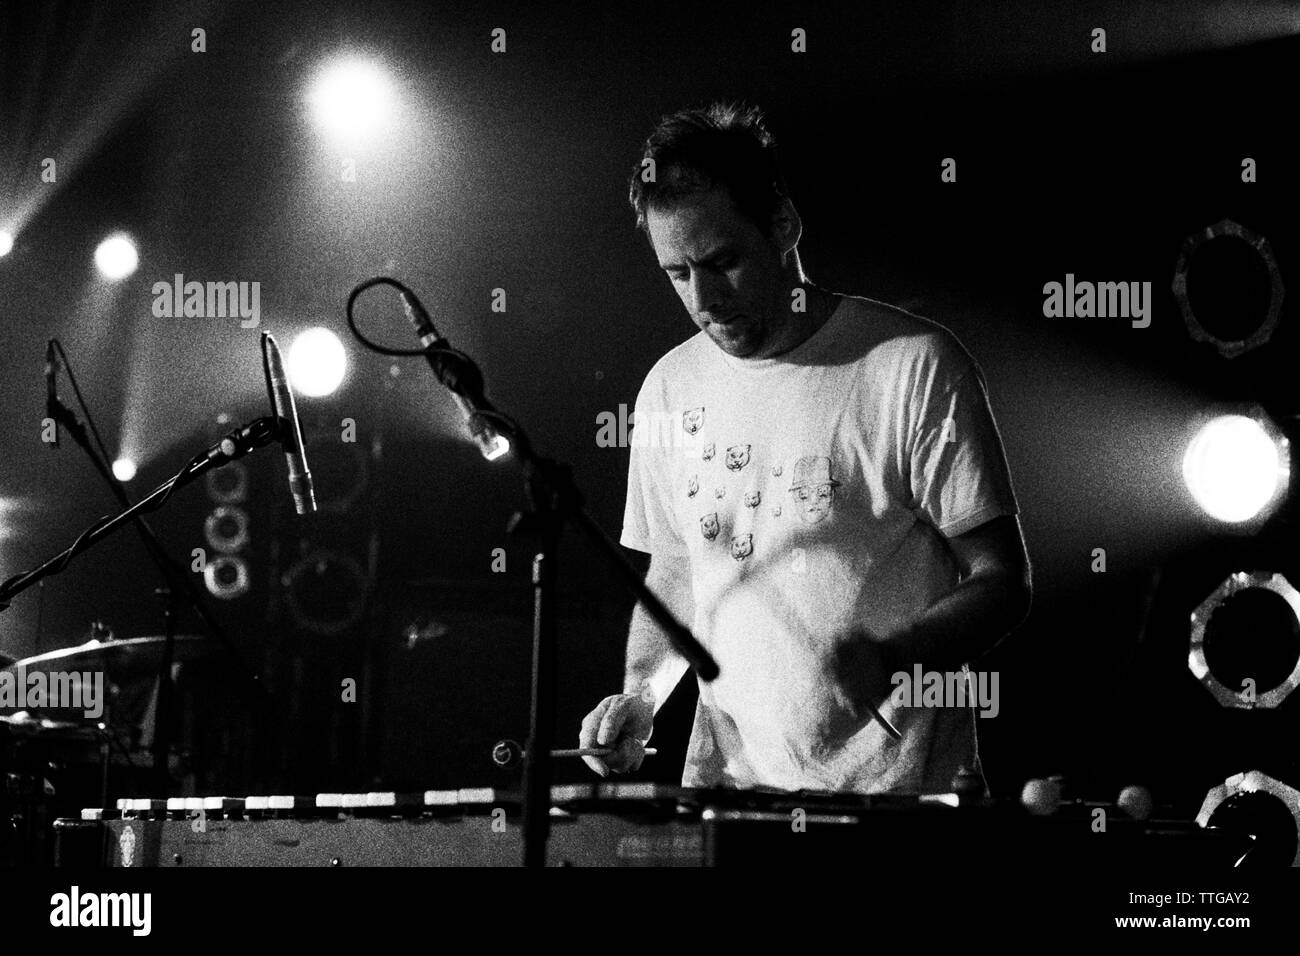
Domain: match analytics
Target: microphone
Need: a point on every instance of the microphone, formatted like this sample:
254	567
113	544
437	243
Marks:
277	383
462	379
490	443
51	391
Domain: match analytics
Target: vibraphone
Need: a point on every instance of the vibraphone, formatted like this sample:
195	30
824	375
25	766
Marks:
602	825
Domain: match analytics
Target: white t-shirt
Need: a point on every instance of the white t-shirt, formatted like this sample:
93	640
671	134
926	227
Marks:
811	494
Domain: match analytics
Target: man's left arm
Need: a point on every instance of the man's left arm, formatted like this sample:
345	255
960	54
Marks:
991	597
957	470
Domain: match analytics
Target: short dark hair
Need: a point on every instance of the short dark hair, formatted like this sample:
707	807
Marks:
695	150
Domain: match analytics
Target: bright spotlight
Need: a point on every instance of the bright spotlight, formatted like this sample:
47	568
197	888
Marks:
1236	468
317	362
351	99
116	257
6	242
124	469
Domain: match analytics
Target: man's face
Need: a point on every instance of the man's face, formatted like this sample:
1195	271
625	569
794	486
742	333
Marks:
727	272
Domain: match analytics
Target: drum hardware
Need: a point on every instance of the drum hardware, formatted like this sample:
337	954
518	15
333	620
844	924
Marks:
235	445
54	731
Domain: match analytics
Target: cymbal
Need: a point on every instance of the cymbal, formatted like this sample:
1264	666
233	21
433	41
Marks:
28	723
130	662
133	657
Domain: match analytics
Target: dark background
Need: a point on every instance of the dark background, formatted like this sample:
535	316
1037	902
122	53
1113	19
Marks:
509	171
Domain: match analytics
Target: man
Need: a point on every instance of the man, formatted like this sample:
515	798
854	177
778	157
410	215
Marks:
836	507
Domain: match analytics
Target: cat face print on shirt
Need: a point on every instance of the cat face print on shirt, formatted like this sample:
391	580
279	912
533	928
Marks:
709	526
812	488
693	420
737	457
742	546
752	498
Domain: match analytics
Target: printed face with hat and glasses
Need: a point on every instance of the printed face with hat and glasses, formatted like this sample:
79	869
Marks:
813	488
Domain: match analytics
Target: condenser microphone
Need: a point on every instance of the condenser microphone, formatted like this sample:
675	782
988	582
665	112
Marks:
277	383
462	380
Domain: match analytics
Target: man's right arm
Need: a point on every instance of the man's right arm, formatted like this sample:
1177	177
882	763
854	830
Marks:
624	722
653	666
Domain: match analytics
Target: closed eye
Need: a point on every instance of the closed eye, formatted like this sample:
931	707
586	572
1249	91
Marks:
719	263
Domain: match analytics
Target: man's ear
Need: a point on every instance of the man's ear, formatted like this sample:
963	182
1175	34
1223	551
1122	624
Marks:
787	227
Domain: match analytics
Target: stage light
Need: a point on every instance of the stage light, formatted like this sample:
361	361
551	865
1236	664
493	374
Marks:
6	242
1237	467
351	99
317	362
1233	298
1263	812
116	257
1245	641
124	469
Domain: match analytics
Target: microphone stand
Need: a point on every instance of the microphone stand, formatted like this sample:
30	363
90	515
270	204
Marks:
553	499
237	444
174	581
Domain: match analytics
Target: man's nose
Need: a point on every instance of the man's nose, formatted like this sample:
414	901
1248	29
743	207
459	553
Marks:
705	293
